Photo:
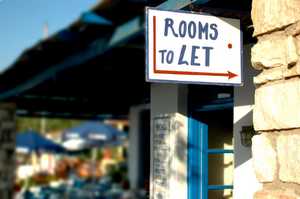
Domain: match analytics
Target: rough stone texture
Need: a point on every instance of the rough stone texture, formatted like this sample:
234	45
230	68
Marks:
293	29
270	15
288	149
273	74
276	154
274	50
264	157
269	75
281	194
277	55
298	44
277	105
292	71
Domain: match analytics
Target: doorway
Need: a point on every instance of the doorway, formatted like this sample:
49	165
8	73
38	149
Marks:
210	142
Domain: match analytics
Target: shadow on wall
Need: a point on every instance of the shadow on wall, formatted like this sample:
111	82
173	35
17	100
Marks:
243	108
245	182
244	153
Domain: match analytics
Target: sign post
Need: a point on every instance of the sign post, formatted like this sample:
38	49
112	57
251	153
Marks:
193	48
186	48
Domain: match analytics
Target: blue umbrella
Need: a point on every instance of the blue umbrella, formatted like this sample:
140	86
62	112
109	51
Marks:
33	141
95	133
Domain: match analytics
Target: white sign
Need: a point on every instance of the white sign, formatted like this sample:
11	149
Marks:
193	48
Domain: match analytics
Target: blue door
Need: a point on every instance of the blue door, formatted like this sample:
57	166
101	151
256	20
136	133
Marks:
198	160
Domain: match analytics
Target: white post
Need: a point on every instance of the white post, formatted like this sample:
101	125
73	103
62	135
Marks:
168	173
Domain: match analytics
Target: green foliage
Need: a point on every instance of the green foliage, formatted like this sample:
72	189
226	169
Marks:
27	123
84	155
115	173
31	181
24	124
118	172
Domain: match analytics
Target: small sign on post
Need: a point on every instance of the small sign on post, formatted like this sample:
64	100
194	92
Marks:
193	48
169	157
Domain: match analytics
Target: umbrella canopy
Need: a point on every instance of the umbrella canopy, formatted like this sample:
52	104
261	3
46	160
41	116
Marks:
29	141
77	144
95	134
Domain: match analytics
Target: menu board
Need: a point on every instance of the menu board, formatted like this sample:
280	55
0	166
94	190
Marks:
161	156
167	149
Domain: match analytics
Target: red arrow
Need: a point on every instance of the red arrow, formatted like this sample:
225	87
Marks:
229	74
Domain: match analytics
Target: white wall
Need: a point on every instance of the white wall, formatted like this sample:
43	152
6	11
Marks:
245	183
165	99
168	98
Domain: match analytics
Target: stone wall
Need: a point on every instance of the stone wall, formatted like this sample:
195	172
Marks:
276	116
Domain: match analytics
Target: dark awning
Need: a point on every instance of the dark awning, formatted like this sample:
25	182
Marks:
95	67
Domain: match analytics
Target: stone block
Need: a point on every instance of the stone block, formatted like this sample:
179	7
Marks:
291	51
277	105
298	44
274	50
264	158
288	149
293	29
270	15
292	71
275	194
273	74
269	75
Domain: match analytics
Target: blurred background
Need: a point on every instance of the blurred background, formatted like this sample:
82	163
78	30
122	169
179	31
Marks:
76	100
